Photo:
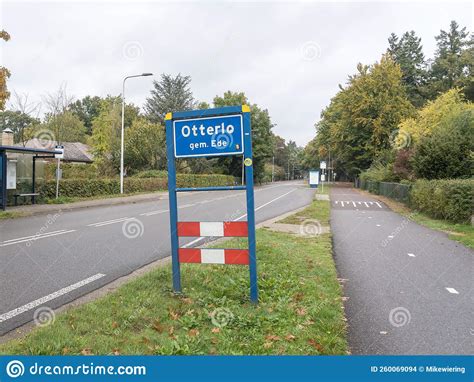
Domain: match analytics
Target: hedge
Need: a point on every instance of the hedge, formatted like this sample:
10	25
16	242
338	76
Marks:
85	188
450	199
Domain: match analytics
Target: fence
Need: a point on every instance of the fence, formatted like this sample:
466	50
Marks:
397	191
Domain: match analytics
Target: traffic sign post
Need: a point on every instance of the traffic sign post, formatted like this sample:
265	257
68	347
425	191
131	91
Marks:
204	133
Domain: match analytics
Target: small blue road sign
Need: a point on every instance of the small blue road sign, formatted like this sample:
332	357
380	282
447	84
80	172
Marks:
211	136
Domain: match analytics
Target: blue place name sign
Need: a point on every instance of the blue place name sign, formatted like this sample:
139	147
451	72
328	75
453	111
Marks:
211	136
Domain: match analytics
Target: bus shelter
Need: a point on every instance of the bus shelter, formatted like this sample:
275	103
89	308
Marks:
8	170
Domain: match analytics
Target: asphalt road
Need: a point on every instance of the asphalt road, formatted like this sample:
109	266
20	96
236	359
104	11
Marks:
409	289
52	260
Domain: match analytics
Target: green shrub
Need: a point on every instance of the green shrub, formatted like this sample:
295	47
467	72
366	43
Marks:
151	174
71	171
450	199
85	188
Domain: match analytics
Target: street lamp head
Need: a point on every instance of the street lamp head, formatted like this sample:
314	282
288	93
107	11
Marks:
147	74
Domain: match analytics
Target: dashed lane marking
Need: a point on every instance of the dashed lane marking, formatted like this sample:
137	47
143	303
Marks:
33	304
34	237
452	290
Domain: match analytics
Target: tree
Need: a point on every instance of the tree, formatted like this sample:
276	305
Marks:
105	139
412	129
145	147
261	135
62	127
86	109
170	94
408	53
106	133
361	119
454	61
4	75
19	122
448	152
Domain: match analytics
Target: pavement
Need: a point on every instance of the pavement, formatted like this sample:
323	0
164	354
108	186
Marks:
408	289
40	209
52	258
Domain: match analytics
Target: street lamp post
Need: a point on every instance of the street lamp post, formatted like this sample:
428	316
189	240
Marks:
123	125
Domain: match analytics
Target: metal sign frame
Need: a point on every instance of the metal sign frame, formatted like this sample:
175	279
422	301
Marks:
170	118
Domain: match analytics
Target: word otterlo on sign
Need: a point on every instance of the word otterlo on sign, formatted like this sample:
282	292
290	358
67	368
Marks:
213	136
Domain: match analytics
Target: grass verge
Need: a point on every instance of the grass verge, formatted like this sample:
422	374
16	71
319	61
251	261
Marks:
300	309
10	214
318	210
463	233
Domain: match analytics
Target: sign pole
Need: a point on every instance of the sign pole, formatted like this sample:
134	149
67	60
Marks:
250	204
173	204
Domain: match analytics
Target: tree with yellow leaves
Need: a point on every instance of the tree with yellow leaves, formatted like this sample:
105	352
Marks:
4	74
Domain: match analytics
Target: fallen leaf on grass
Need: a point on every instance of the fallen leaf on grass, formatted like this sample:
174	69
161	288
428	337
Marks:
298	296
116	352
316	345
301	311
290	337
66	350
272	337
193	333
86	351
267	345
158	327
215	330
115	325
173	315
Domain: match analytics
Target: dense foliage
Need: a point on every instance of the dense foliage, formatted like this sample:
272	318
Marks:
404	117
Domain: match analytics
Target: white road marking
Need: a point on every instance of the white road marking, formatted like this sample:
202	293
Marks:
378	225
359	202
452	290
186	205
342	203
37	237
100	224
390	236
366	204
49	297
354	204
411	255
337	201
154	212
378	204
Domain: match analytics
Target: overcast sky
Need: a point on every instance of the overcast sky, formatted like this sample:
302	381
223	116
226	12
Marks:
286	57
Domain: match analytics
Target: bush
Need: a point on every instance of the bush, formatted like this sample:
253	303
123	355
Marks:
446	199
151	174
446	152
85	188
71	171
